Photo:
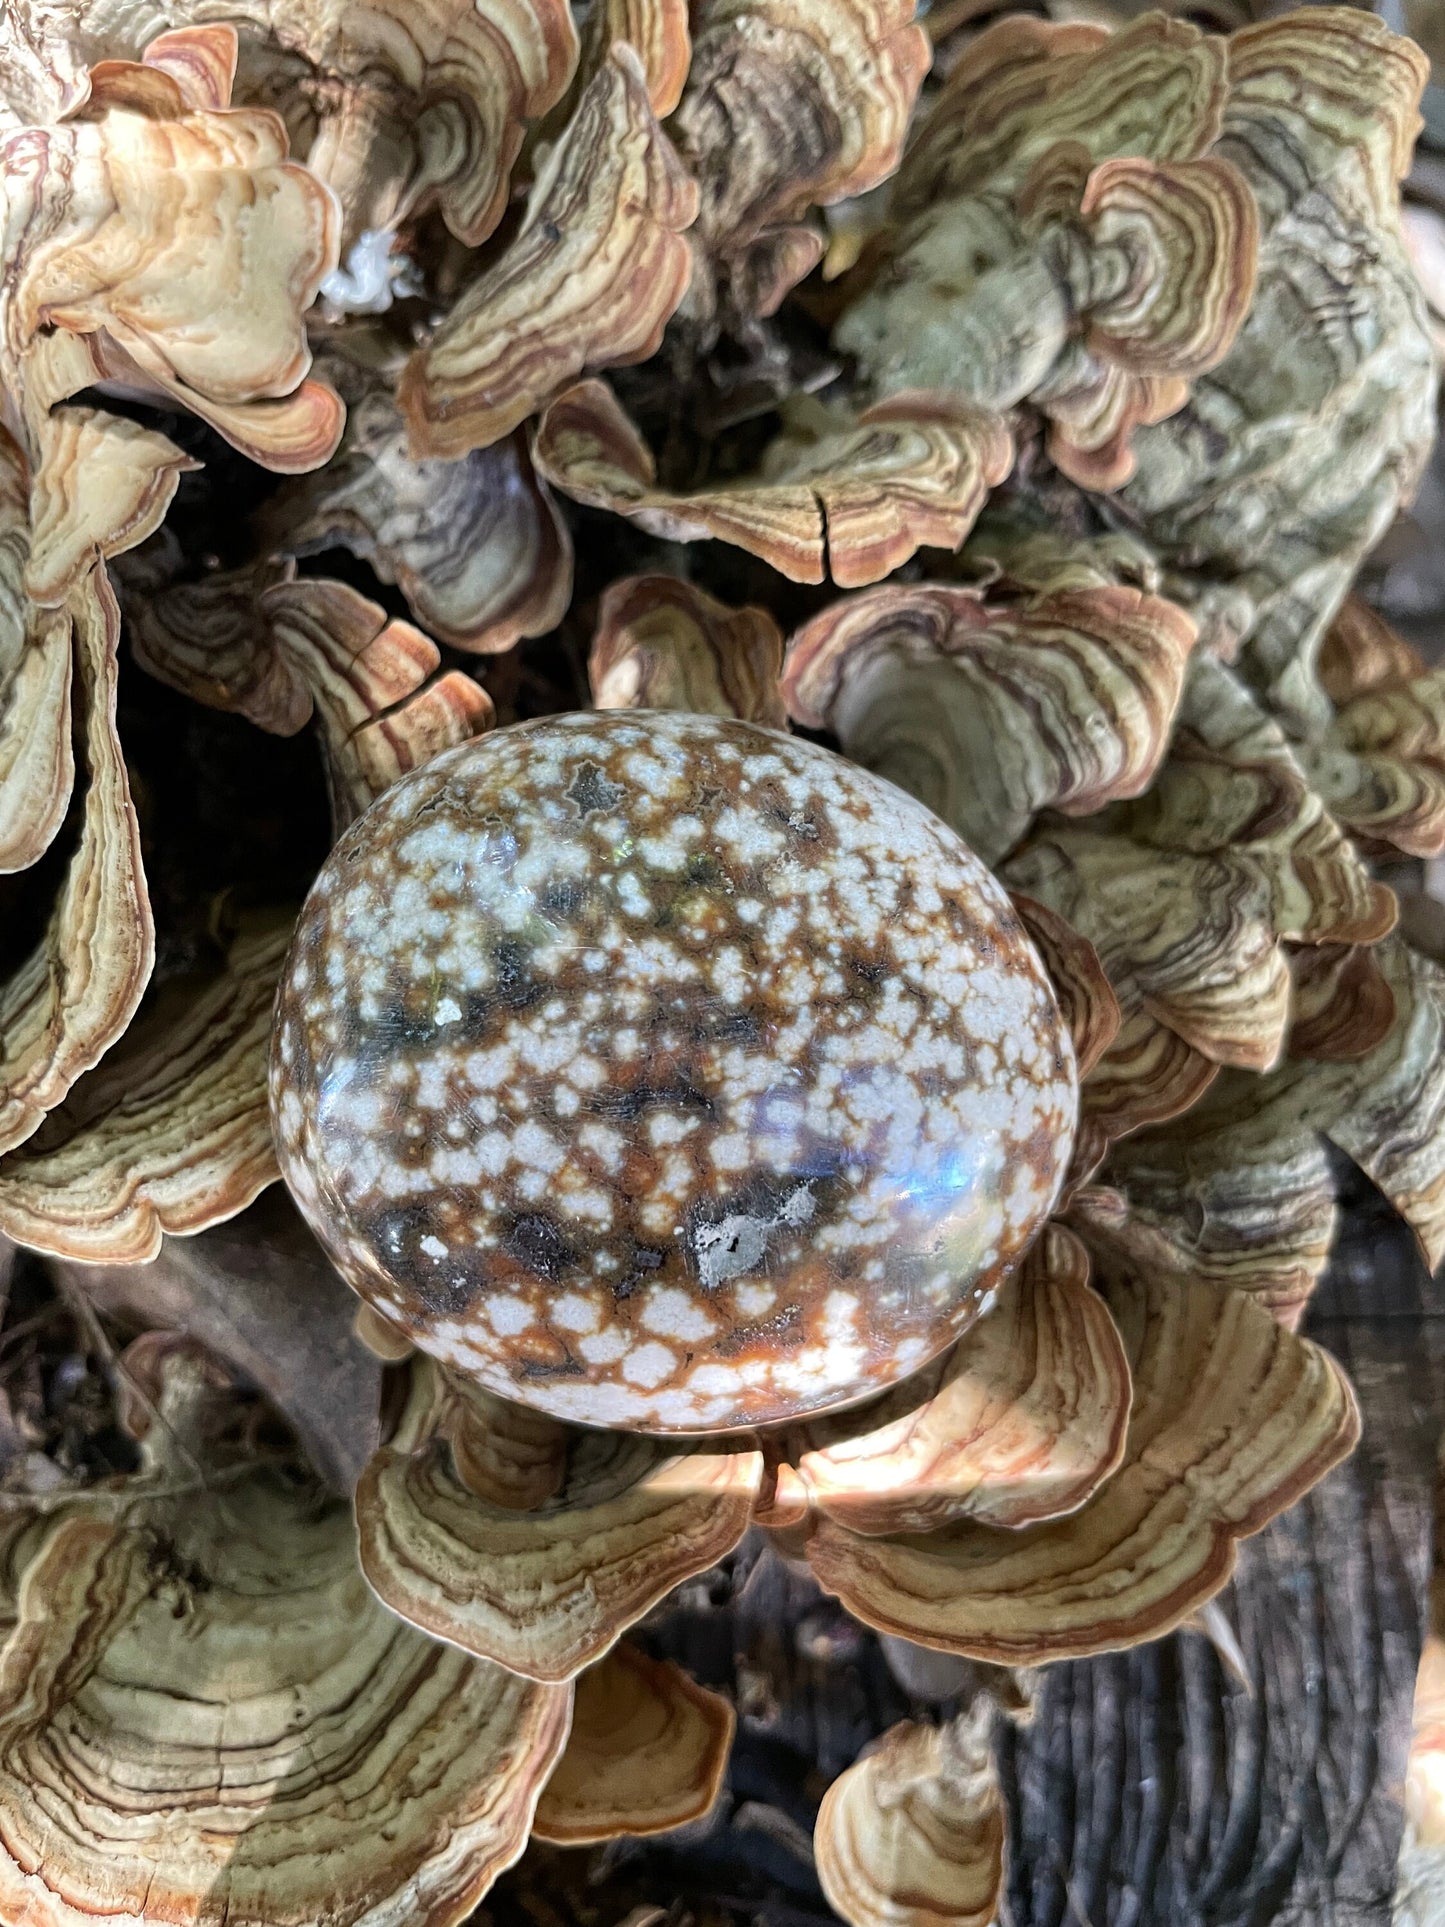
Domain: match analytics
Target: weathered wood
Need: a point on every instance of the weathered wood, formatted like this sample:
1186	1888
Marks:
1155	1787
259	1292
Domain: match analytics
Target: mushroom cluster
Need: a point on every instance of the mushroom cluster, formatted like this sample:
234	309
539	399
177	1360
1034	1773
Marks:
696	664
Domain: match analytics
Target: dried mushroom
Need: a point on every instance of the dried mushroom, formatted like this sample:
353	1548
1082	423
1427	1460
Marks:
1026	1423
136	225
852	495
590	280
476	545
790	106
646	1753
1232	1418
1123	232
208	1716
393	106
531	1543
912	1835
74	995
660	643
921	1154
990	715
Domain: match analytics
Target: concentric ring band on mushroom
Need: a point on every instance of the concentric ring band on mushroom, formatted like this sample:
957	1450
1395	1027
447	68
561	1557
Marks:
923	1155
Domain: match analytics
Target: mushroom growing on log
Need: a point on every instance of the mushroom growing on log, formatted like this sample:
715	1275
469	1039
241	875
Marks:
918	1157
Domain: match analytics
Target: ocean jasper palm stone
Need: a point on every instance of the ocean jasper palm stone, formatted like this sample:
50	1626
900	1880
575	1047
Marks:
667	1073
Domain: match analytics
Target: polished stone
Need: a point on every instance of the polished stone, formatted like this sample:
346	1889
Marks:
665	1072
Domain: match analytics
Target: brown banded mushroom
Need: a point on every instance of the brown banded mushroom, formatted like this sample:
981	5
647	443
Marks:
477	545
396	105
281	650
1050	187
380	706
532	1543
1321	117
207	1715
166	1134
912	1835
1232	1419
169	1131
590	281
206	638
1241	1192
661	643
1381	764
138	216
1230	855
134	226
1027	1420
1343	1003
991	714
81	985
1052	246
658	33
851	497
789	106
37	765
646	1753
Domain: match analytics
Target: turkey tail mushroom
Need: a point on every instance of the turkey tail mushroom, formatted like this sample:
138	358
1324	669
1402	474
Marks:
647	1752
1232	1419
912	1835
594	273
660	643
239	1731
990	713
851	497
539	1580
